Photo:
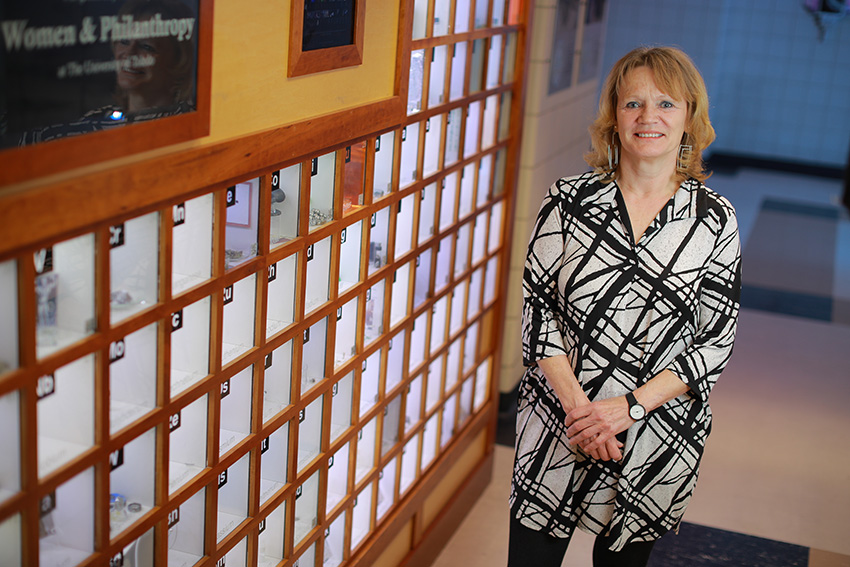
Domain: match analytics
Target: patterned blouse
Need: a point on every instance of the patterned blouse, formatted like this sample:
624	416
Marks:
622	312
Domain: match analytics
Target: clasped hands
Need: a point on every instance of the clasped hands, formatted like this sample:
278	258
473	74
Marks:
593	427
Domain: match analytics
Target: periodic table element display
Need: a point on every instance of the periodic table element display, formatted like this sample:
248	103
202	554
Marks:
281	277
285	198
191	248
190	344
274	459
131	482
383	169
187	434
9	316
239	301
66	521
277	380
242	211
10	445
133	266
322	189
132	377
350	247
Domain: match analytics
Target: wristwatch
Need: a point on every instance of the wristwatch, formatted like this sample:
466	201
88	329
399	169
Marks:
636	411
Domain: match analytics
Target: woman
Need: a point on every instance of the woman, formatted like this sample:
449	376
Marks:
631	291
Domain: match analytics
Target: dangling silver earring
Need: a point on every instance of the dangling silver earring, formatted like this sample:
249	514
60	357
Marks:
683	159
613	154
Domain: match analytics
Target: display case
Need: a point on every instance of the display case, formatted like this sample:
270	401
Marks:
269	349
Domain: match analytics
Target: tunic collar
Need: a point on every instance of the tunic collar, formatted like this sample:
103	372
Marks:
689	201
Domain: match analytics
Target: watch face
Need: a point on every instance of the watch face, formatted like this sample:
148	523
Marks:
637	412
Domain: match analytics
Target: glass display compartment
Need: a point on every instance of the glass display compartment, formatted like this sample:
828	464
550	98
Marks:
470	345
237	556
386	489
10	447
65	414
306	508
285	197
335	542
350	239
277	381
274	459
345	344
337	478
471	134
439	312
490	274
434	384
10	541
379	239
132	377
482	385
422	285
467	190
427	208
441	17
313	355
187	444
409	155
462	250
322	179
374	316
186	531
64	293
409	456
66	522
280	308
485	168
476	71
433	135
366	439
437	77
400	290
232	497
395	361
495	232
310	432
191	246
505	116
462	16
447	425
242	203
494	62
133	266
481	7
498	13
404	225
370	375
342	396
453	364
190	345
235	418
415	81
443	274
307	558
479	237
361	516
418	334
382	182
413	404
465	407
8	316
318	288
137	553
456	318
131	482
448	198
272	532
239	301
429	442
474	305
458	73
391	425
353	176
488	131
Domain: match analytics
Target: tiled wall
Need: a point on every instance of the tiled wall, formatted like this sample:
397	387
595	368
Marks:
777	91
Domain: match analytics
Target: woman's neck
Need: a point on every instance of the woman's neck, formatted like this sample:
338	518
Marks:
647	179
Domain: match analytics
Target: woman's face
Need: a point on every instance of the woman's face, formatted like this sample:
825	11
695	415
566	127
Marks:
146	66
650	123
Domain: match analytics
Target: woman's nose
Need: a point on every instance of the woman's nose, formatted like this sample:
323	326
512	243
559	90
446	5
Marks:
648	114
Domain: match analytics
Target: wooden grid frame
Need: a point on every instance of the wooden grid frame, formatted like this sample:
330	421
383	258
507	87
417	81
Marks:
479	348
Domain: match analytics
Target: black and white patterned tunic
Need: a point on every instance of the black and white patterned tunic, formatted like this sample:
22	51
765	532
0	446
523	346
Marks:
622	312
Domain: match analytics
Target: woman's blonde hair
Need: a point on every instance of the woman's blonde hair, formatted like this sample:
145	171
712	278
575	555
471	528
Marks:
676	75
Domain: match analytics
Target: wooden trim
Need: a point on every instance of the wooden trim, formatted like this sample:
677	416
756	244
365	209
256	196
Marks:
307	62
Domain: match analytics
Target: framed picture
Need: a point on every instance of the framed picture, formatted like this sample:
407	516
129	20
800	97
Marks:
325	35
84	82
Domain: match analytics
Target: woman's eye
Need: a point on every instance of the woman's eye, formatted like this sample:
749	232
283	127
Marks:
666	104
632	104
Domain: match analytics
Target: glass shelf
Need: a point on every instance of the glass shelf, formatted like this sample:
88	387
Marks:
64	292
392	421
417	340
8	316
361	516
192	232
458	64
190	345
318	274
131	482
232	497
415	80
187	442
133	266
240	232
370	375
272	537
379	239
10	448
277	384
310	432
433	135
444	259
346	332
337	478
286	191
65	414
306	509
132	377
400	287
494	62
413	404
322	178
66	523
365	461
462	15
447	426
10	541
235	418
274	458
404	225
438	323
422	287
313	355
409	154
476	71
350	239
186	531
386	489
427	208
280	311
437	80
488	132
335	542
354	177
448	196
374	323
383	176
408	465
473	123
341	402
454	120
238	326
395	361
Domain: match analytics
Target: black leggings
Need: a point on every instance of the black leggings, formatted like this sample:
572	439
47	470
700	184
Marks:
527	547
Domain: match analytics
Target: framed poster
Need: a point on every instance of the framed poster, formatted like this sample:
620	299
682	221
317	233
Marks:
84	82
325	35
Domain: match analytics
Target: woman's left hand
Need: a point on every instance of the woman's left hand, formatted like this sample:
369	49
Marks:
591	426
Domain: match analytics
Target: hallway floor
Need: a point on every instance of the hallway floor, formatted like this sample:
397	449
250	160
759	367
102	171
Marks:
774	487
